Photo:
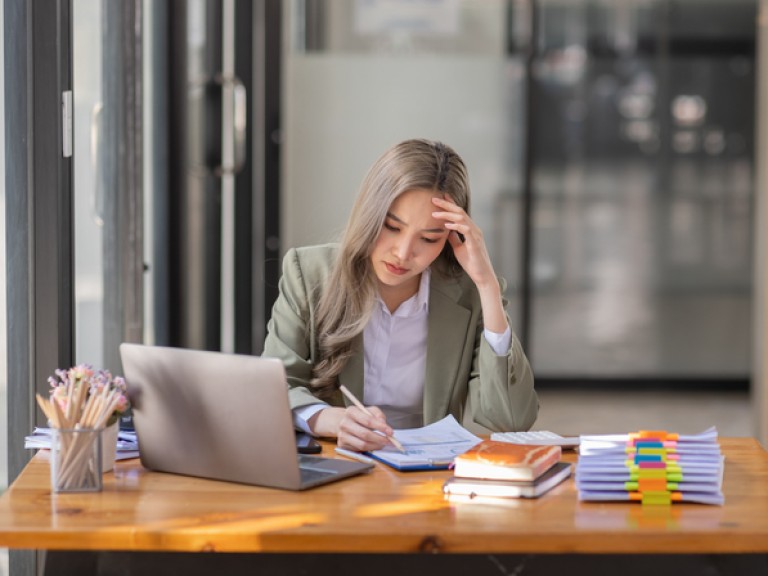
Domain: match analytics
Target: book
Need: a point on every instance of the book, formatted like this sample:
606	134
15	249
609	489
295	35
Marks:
479	487
505	461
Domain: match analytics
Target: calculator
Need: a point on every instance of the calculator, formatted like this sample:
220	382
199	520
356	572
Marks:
537	437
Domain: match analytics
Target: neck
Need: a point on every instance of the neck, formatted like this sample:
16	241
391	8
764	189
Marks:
393	296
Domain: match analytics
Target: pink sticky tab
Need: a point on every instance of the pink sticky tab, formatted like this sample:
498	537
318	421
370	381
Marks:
646	464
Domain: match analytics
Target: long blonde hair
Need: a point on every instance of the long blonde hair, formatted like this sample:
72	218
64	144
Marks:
347	301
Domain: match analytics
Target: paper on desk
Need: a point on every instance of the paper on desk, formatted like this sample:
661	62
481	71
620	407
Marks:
708	436
432	446
127	443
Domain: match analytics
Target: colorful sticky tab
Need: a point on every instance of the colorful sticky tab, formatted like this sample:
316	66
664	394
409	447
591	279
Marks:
656	498
660	434
652	485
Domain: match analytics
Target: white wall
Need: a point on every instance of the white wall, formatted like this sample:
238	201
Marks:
343	111
366	90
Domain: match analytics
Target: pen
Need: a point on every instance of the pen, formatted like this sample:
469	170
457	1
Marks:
359	404
355	455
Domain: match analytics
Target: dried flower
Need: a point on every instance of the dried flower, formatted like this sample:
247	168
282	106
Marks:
66	383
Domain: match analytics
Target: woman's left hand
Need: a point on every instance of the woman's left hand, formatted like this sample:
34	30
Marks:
473	256
471	253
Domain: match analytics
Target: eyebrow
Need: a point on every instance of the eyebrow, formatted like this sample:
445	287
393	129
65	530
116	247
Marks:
426	230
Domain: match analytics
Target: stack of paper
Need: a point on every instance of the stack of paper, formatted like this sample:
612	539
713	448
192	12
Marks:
653	467
127	444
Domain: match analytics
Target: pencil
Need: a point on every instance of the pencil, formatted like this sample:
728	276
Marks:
355	455
359	404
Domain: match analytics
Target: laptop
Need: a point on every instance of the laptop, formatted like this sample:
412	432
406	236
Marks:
220	416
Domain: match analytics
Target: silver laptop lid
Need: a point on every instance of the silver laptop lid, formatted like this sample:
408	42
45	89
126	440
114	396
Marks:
210	414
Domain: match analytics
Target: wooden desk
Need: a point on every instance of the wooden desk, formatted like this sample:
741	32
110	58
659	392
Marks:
386	511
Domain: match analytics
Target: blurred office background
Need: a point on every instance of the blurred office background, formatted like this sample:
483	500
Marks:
612	154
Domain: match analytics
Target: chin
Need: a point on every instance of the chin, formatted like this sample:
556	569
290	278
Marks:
391	280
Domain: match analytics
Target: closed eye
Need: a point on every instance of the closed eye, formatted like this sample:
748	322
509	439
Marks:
390	227
431	240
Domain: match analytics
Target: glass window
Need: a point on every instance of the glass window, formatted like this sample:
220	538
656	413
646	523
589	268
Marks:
88	198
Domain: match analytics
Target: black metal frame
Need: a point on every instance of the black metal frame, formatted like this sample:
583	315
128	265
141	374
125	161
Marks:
258	34
257	203
39	214
39	209
122	178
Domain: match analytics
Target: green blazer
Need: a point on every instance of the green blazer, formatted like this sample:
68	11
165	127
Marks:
460	362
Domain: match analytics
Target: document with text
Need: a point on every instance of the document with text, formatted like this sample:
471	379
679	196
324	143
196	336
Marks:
431	447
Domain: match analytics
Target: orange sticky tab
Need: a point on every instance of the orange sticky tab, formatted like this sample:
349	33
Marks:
651	484
660	434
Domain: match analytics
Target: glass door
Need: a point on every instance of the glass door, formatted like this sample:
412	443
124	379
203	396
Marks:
88	159
643	191
168	200
215	227
107	180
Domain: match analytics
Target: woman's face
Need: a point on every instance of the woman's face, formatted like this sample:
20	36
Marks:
410	240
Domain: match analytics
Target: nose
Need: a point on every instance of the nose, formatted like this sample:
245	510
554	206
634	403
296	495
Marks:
404	249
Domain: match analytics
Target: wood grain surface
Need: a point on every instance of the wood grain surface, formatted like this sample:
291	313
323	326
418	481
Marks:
385	511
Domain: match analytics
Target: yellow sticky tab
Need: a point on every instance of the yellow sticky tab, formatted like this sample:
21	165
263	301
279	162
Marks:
657	498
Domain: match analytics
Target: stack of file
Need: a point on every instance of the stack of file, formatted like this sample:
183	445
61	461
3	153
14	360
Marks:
653	467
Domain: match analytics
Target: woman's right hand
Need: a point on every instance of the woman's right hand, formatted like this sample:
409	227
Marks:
353	428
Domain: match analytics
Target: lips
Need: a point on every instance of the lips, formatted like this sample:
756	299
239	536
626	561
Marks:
392	269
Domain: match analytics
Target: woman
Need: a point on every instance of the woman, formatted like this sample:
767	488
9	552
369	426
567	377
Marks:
406	312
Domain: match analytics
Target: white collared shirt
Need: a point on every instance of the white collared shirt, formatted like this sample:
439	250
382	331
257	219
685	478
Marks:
395	346
395	352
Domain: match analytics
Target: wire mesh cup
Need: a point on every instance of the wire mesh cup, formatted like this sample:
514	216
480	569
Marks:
76	460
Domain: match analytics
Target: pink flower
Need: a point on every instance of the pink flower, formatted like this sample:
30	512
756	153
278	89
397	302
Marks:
66	383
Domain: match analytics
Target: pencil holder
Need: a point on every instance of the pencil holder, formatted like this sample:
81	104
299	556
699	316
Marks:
76	460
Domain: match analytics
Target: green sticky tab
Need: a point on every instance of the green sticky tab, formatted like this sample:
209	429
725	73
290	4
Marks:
654	451
652	473
657	498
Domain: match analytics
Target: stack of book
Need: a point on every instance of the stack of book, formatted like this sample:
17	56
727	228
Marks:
652	467
498	470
